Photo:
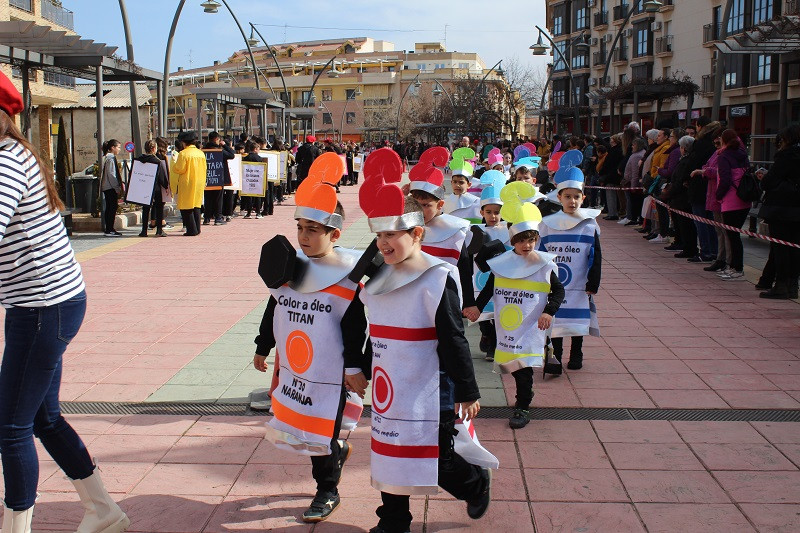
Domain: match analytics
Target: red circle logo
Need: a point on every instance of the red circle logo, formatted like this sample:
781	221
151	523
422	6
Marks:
382	390
299	351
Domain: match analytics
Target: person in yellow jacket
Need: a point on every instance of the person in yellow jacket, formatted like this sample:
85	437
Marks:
190	171
659	154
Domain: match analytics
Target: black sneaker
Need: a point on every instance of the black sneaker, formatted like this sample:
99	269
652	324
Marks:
379	529
490	355
323	504
483	345
345	449
477	508
575	362
695	259
519	419
716	266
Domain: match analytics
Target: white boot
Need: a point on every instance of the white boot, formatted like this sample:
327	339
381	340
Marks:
17	521
103	515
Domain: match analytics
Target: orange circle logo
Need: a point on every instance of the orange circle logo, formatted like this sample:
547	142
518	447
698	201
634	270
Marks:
299	351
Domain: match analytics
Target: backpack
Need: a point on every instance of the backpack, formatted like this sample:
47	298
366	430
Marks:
748	189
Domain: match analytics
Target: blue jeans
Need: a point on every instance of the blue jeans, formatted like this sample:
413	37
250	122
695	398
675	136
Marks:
30	377
705	233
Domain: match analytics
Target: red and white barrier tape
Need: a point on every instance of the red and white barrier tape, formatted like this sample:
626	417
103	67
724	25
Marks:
705	220
613	188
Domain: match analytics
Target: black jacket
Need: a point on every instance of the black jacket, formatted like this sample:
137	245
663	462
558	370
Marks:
162	180
609	174
701	152
677	194
781	186
305	155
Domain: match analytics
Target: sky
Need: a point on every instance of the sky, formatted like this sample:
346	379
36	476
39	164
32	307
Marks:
201	38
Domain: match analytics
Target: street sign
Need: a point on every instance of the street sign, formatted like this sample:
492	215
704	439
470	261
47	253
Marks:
129	147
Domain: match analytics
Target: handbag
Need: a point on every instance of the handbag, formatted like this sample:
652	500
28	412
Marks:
552	365
748	189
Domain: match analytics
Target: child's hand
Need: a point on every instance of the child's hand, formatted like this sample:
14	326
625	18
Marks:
472	313
469	410
545	321
356	383
260	362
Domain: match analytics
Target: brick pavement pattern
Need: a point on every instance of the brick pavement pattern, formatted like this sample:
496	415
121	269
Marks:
174	319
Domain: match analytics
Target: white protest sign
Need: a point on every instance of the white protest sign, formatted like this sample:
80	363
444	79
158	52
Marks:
254	178
358	160
284	159
273	160
235	168
140	185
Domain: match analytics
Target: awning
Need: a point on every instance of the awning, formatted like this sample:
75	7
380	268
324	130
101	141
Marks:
776	36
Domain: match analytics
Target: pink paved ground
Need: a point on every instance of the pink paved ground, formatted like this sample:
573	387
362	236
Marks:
217	474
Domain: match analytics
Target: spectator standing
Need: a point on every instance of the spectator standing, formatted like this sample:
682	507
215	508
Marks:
781	210
702	151
190	175
631	179
306	154
609	175
677	195
44	308
731	166
111	186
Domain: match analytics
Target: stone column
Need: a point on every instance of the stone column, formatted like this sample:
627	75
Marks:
45	113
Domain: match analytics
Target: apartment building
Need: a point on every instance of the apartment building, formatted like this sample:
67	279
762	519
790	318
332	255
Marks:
679	40
361	82
47	88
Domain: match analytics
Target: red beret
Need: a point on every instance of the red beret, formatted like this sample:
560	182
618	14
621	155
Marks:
311	139
10	99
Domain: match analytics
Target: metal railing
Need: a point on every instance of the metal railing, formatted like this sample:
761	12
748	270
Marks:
599	58
791	7
57	14
601	18
707	84
57	79
664	44
25	5
621	54
621	11
711	32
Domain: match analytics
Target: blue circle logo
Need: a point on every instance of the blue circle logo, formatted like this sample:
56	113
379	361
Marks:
564	274
480	280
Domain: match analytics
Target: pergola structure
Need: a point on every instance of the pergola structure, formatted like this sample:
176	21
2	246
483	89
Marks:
776	36
246	97
27	45
637	91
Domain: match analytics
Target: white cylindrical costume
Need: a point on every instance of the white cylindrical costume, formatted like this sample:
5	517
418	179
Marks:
444	237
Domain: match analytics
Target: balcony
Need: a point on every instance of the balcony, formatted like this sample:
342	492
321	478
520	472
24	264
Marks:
620	54
791	7
711	33
601	18
707	84
621	11
56	79
57	14
599	58
25	5
664	46
668	5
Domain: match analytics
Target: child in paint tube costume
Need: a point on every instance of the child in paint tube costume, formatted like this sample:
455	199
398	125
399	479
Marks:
574	237
445	235
315	321
416	331
526	293
493	181
461	203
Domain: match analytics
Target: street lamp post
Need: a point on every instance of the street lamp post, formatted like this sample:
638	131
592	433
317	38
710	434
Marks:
209	6
347	99
415	82
650	6
475	92
719	75
135	129
280	73
307	101
540	49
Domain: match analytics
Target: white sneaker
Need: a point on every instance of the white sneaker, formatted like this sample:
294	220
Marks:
259	215
734	275
623	221
724	272
659	240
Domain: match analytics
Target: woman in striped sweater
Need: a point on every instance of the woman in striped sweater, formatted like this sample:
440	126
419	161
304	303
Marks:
42	291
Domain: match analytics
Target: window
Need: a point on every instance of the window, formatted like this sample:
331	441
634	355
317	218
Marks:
581	15
642	39
735	71
327	118
284	97
763	69
560	92
189	103
350	94
559	14
736	21
762	10
307	97
558	63
580	60
190	123
438	65
327	95
241	120
421	67
463	65
350	117
642	72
